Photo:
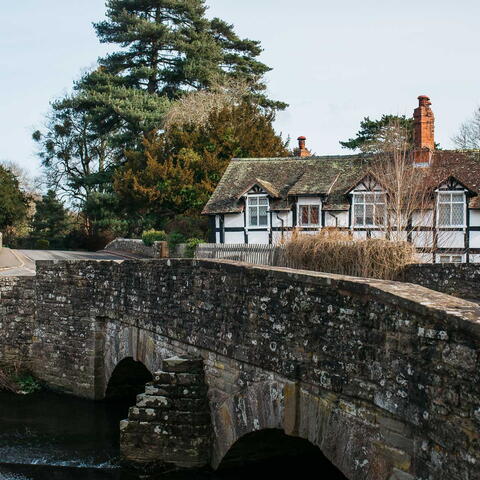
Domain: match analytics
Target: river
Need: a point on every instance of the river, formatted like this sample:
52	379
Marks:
45	436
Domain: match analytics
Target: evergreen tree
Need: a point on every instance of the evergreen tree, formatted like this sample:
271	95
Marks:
170	46
13	202
369	137
51	222
179	170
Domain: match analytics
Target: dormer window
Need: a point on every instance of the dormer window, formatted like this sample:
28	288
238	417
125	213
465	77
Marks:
257	210
369	209
451	208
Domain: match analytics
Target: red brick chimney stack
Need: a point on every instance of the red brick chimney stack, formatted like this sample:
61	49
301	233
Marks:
424	131
302	150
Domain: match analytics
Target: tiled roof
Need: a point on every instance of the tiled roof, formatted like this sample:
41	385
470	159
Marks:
330	177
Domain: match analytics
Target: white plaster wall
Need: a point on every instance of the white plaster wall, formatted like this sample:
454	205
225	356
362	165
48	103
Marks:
255	236
378	234
309	201
423	218
342	219
474	239
475	218
217	221
424	257
233	220
359	234
422	239
234	237
475	258
450	239
285	216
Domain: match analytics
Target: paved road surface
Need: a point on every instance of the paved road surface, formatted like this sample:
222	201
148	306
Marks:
22	262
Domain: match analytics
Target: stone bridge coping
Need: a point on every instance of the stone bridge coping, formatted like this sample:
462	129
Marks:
409	296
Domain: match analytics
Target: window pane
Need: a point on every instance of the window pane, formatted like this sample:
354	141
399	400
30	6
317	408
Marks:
263	201
456	259
444	214
379	214
253	217
304	215
444	259
444	197
262	216
457	214
359	198
368	214
369	198
253	200
314	215
358	214
458	197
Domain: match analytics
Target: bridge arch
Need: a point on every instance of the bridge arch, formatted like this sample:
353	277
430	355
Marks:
275	452
128	379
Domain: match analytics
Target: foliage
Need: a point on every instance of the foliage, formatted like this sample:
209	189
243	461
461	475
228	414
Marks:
51	222
192	244
369	138
42	244
14	203
170	47
179	170
174	239
468	137
151	236
336	251
188	226
27	383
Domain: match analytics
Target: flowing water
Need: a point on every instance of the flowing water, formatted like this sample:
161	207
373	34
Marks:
50	437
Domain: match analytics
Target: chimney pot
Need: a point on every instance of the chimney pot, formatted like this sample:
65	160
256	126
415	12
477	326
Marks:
302	150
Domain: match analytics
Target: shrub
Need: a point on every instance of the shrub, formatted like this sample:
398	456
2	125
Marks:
42	244
192	244
190	226
175	239
335	251
151	236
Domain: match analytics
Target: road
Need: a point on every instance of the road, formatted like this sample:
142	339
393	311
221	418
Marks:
22	262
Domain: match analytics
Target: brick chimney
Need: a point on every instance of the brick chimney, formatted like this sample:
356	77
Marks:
424	131
302	150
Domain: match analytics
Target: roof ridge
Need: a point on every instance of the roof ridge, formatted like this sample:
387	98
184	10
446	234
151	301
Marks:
299	159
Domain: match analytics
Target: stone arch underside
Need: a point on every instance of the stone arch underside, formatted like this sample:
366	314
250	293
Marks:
327	422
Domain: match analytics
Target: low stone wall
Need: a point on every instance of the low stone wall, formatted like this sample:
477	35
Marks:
460	280
136	247
17	321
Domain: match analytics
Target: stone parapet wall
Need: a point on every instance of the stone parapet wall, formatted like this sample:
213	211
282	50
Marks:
457	279
137	247
17	306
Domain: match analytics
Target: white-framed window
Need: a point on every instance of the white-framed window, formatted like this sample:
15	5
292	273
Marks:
369	209
451	258
257	211
309	215
451	209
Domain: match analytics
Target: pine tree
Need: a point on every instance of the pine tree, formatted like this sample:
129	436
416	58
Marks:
50	222
170	46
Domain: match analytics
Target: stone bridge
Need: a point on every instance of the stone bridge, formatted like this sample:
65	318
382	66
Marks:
382	377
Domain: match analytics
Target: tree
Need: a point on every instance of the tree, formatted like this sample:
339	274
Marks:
51	221
179	169
170	46
468	137
13	202
373	133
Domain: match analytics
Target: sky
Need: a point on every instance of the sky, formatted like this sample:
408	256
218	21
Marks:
334	62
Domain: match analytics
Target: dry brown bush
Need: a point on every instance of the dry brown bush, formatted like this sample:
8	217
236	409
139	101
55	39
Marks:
336	251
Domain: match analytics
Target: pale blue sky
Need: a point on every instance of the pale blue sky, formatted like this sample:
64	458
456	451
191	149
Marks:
334	62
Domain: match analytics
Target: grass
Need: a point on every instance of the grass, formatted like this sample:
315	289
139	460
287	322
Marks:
336	251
